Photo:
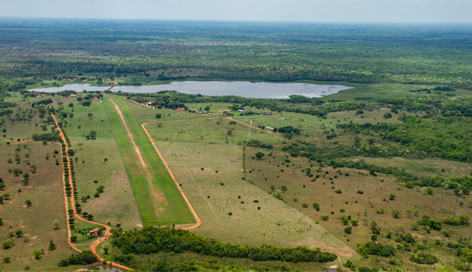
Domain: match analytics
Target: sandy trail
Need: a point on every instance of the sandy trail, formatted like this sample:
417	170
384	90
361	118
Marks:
94	245
130	135
149	177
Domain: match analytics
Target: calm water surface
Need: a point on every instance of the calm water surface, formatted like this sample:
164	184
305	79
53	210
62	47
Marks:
214	88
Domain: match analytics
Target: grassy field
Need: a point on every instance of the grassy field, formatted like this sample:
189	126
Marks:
117	204
376	191
159	201
46	192
147	114
207	130
232	209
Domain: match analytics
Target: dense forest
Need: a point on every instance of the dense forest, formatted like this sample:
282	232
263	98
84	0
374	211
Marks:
33	50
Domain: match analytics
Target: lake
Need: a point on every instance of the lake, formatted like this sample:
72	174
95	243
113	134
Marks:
218	88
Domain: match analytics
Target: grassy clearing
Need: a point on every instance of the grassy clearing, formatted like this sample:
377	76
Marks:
375	195
147	114
159	201
211	177
117	204
209	131
46	192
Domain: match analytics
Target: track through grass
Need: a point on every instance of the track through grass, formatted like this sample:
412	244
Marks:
159	201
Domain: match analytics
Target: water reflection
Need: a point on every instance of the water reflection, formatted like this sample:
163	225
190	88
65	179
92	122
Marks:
214	88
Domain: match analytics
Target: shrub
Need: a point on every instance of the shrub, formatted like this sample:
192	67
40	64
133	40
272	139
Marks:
378	249
423	258
84	258
348	230
451	220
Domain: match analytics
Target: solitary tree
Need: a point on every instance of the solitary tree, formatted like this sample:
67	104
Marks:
55	224
259	155
19	232
279	195
28	202
37	253
373	225
51	245
229	132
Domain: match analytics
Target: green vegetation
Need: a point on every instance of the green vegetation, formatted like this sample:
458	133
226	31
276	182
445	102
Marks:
178	241
378	175
159	201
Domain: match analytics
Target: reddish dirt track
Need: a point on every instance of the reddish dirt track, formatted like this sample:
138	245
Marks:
108	228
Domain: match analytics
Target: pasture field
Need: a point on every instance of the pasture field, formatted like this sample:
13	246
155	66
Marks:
45	189
232	209
213	131
147	114
117	203
195	145
361	197
159	202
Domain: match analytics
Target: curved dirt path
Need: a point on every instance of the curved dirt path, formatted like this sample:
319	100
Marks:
195	216
69	180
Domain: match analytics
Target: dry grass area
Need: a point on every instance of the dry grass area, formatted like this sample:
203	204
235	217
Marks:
117	204
376	193
234	210
46	192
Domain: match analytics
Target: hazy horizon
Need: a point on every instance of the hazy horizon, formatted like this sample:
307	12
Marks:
303	11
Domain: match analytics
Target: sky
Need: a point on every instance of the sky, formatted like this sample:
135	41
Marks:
389	11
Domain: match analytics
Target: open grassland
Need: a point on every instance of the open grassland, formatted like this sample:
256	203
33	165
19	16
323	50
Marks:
100	160
147	114
159	201
22	130
313	128
233	210
45	189
361	197
217	130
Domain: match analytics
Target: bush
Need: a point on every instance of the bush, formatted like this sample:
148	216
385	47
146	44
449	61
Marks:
423	258
84	258
378	249
451	220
